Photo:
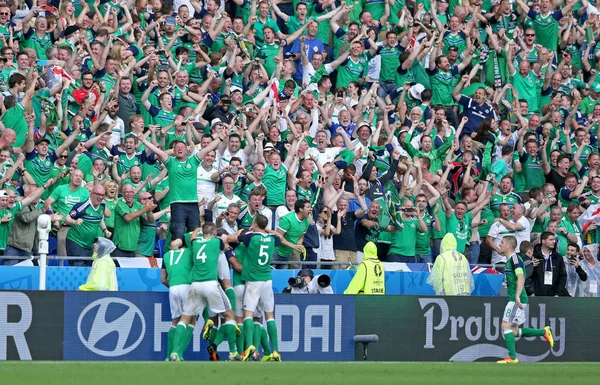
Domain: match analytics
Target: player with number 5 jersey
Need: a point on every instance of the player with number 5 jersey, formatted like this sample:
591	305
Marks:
256	272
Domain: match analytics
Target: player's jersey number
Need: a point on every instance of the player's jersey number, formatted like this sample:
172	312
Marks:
179	255
262	253
200	254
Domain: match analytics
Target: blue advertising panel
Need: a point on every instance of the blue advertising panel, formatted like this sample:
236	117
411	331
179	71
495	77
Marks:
134	326
146	279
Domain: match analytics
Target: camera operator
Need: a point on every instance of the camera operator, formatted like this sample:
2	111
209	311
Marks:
307	283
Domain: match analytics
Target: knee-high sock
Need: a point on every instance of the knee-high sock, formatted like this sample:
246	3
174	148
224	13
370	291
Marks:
272	331
256	334
230	293
239	341
189	332
509	340
528	332
248	331
179	338
170	337
264	341
230	333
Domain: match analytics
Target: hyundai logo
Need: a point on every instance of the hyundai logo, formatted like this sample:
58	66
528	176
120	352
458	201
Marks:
110	318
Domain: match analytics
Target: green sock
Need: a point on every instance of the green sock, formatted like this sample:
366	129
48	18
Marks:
264	341
205	315
248	331
509	340
256	334
178	338
170	337
529	332
230	333
213	335
189	331
272	330
230	293
219	336
239	340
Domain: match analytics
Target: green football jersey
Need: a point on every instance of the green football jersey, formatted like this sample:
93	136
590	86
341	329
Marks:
178	264
514	267
5	226
423	240
240	255
126	234
182	179
275	181
293	229
206	258
85	234
259	253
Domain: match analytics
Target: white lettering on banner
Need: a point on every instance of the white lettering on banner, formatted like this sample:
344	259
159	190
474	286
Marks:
123	326
485	330
318	332
287	311
16	330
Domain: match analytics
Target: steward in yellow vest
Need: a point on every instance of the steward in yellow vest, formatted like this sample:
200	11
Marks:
370	276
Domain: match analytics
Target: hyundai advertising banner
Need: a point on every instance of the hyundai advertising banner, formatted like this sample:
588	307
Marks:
134	326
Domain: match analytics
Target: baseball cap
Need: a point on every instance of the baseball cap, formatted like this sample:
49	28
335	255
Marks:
415	91
596	87
216	121
42	139
269	147
3	194
306	273
233	89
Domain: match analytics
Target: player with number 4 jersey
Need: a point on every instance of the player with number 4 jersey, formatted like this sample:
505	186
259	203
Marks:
205	290
514	313
256	272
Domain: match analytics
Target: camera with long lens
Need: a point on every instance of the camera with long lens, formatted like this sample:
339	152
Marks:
296	282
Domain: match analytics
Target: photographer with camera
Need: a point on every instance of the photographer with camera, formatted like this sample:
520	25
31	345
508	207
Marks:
307	283
575	273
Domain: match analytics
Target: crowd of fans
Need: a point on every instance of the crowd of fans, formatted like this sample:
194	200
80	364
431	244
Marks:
343	122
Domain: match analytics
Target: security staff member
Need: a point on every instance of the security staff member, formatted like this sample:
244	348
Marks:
451	273
370	276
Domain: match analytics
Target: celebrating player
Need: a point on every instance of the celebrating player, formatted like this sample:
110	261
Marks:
205	290
514	312
256	272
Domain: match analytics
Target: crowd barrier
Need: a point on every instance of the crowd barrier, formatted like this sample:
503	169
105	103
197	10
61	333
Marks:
147	279
38	325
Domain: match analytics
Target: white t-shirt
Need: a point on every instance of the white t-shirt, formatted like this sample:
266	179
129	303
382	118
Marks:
205	186
280	212
223	204
525	233
118	131
497	232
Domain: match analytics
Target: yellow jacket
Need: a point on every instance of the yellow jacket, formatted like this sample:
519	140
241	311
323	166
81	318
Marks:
451	273
103	276
370	276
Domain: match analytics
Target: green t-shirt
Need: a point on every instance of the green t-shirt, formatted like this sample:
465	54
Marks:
126	234
259	252
178	264
86	233
15	119
293	230
403	240
389	62
267	52
65	198
546	29
532	172
510	199
240	255
423	244
352	71
5	226
526	87
275	181
182	179
39	168
461	230
205	252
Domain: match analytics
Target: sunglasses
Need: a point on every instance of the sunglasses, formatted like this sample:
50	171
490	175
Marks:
530	34
63	156
4	13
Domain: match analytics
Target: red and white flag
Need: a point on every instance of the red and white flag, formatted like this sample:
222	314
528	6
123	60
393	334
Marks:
60	71
591	215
